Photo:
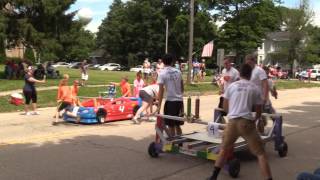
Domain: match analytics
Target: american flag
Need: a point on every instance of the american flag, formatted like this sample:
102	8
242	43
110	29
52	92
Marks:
207	49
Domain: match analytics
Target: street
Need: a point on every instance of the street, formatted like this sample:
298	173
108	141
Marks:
33	149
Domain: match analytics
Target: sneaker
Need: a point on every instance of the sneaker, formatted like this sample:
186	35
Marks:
26	113
35	113
54	123
135	120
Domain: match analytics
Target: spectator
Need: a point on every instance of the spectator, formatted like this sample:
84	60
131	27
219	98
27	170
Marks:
177	65
196	70
138	84
160	65
29	91
84	72
202	69
146	70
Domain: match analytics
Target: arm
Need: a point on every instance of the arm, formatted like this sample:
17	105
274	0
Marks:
265	88
31	79
182	86
160	96
225	105
258	109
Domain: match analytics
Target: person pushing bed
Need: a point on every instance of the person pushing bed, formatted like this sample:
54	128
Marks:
239	100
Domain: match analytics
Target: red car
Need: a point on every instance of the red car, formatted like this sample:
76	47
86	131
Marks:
113	109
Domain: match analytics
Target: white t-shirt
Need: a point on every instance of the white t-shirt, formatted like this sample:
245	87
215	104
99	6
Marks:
242	96
171	79
233	74
152	89
257	75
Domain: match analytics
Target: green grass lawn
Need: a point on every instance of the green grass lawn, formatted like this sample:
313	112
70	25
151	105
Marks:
95	77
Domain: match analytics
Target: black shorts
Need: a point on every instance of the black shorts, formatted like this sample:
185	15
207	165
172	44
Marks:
220	105
145	96
30	95
173	108
62	105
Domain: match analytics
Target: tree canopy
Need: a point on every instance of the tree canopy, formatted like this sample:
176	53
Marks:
44	26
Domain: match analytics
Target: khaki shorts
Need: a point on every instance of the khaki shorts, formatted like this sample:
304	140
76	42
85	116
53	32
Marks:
247	130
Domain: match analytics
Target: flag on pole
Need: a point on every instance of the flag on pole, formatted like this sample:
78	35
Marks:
207	49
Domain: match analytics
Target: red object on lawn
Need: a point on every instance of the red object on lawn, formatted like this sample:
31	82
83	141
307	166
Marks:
16	99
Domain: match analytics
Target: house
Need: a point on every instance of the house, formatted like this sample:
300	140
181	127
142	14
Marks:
271	51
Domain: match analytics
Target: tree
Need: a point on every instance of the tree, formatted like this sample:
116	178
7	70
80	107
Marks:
296	21
2	37
247	25
138	28
29	55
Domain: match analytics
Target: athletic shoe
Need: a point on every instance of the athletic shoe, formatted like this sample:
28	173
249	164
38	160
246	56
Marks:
135	120
35	113
26	113
54	123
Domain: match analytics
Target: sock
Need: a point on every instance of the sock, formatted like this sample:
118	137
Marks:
215	173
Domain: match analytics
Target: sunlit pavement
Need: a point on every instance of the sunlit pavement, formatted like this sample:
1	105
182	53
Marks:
32	149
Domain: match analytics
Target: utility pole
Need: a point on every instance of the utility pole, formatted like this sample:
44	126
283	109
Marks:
190	40
167	34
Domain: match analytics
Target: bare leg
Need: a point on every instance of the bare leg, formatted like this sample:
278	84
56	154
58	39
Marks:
172	131
141	109
26	108
264	166
178	130
34	106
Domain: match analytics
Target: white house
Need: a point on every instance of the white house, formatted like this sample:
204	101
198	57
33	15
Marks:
272	44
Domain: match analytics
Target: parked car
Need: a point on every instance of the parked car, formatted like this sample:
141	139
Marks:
137	68
123	68
303	75
75	65
315	74
61	64
109	67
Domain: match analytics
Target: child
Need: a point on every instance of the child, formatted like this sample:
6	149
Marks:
171	79
138	84
125	87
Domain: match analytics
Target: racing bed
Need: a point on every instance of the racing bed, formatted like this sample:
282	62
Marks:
101	110
206	144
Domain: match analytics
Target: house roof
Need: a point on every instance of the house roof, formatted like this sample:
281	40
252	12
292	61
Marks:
279	36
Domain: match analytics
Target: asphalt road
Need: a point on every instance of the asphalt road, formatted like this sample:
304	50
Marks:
32	149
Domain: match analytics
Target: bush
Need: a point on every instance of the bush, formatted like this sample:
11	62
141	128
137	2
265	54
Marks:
209	72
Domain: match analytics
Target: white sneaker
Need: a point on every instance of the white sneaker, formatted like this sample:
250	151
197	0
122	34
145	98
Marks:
35	113
26	113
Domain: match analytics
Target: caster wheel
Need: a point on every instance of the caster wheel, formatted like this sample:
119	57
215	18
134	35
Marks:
152	150
234	168
283	149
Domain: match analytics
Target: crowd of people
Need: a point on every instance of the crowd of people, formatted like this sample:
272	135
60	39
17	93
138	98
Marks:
17	70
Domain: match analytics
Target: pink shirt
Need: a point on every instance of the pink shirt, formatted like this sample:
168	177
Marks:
138	85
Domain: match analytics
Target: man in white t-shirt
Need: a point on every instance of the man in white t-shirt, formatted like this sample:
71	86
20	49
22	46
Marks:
170	79
240	98
258	76
229	75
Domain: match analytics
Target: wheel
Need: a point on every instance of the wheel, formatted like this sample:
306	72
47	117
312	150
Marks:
234	168
283	149
318	78
135	110
152	150
101	116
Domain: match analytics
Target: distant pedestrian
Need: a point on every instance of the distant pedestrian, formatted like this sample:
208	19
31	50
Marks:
146	70
160	66
195	70
84	72
138	84
171	80
239	99
202	69
29	91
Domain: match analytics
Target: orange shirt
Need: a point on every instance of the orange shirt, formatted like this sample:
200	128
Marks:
65	94
125	88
